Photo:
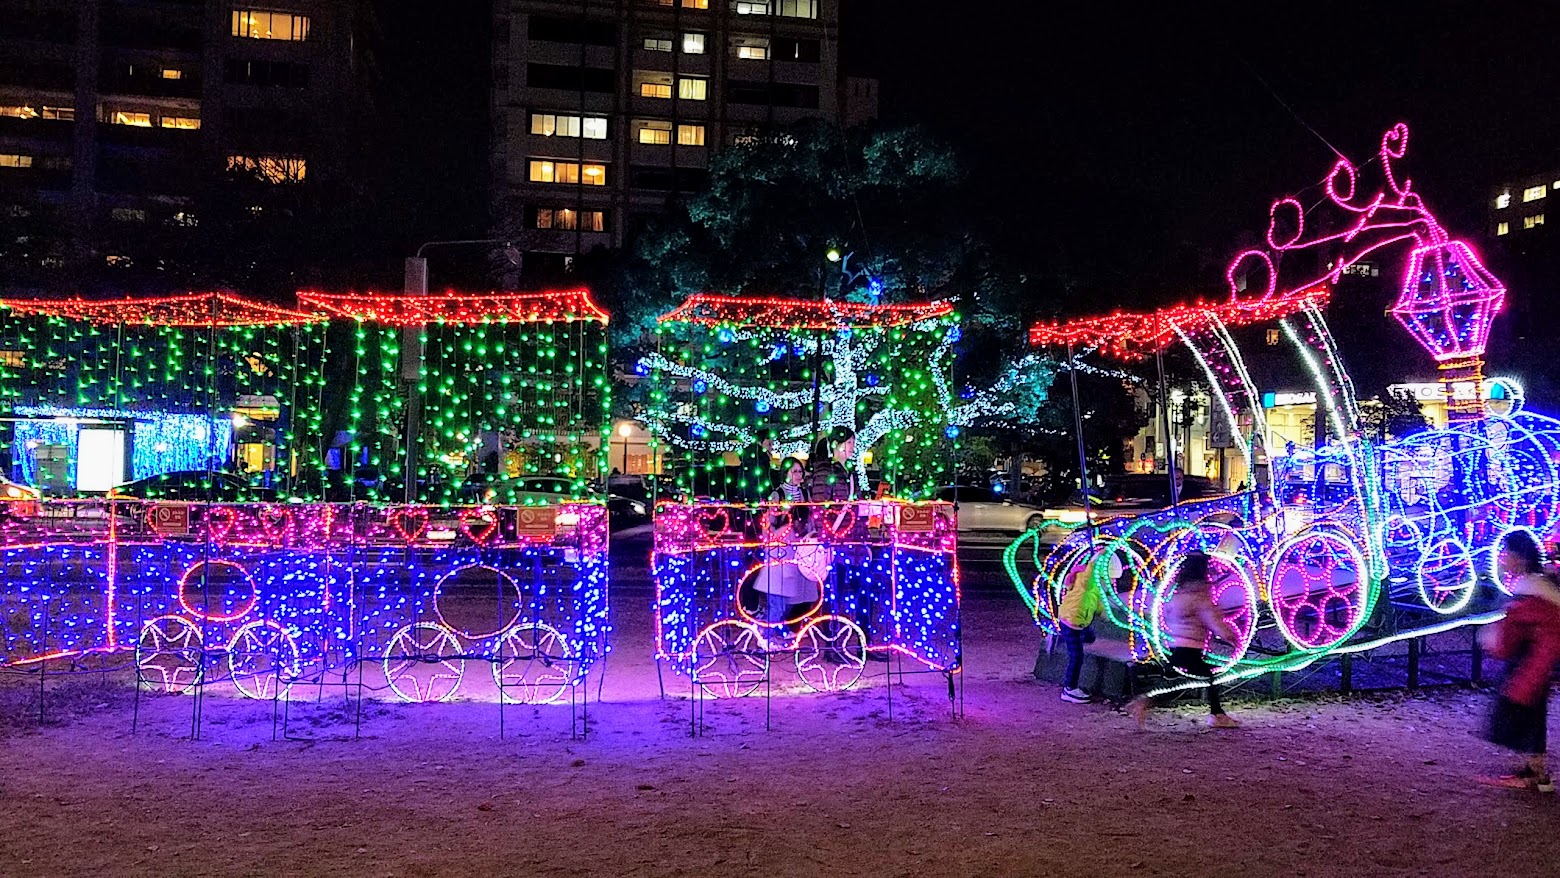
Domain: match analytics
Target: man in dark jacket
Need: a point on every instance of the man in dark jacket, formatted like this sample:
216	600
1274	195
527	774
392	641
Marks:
757	478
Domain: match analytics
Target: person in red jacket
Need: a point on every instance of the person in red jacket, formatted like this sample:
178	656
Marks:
1528	640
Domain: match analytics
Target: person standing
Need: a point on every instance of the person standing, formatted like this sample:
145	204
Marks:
1528	639
1080	603
1190	618
829	479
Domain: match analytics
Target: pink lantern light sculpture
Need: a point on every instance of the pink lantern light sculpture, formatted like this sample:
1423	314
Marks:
1448	298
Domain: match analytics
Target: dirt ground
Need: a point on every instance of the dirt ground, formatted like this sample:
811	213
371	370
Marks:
1022	785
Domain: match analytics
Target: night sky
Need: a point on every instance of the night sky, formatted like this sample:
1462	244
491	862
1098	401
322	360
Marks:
1137	151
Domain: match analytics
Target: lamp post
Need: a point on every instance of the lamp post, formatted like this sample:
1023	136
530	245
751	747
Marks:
416	284
833	255
623	431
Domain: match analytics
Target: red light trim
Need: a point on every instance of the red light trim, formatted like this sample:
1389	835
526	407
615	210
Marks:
189	310
1127	335
714	309
399	309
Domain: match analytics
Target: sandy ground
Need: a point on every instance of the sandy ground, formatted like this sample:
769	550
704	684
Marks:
1022	785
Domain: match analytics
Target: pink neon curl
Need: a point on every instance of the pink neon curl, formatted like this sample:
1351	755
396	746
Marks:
1299	224
1342	166
1267	261
1394	145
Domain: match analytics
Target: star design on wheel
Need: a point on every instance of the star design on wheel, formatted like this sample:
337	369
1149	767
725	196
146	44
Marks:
844	644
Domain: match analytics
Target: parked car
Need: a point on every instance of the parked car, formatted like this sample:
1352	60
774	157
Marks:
1124	496
984	510
194	485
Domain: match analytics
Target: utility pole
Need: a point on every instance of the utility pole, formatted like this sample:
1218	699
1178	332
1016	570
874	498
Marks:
411	374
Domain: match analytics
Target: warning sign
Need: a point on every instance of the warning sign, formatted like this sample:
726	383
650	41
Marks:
169	520
536	521
916	519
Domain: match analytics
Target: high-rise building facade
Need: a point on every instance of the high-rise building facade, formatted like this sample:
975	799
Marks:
603	111
116	115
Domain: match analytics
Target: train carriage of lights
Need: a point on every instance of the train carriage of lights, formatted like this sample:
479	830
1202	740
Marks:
1338	531
437	600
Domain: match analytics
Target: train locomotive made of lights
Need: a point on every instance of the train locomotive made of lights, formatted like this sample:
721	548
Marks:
1303	565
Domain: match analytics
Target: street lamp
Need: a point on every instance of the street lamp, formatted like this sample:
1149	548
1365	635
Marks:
623	431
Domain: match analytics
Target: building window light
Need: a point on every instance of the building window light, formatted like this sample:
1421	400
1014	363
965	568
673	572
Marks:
172	73
550	171
693	44
257	25
658	44
186	123
690	89
1502	228
270	168
15	160
1534	221
655	90
690	135
569	220
138	120
563	125
1272	338
752	49
1503	201
1534	193
655	133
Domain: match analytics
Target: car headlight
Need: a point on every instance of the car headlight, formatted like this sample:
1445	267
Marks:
1066	516
13	492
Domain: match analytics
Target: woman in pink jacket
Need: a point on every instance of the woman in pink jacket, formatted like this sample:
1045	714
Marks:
1528	639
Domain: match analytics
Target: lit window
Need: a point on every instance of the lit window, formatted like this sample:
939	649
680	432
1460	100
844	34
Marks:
750	48
571	220
117	261
172	73
799	8
1503	228
128	214
258	25
658	44
549	171
562	125
1529	222
1503	201
18	112
1534	193
139	120
655	89
271	168
693	44
62	114
188	123
690	89
695	4
690	135
14	160
750	8
1272	338
653	132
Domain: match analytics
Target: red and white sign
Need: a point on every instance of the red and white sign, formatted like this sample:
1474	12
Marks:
169	520
916	519
536	521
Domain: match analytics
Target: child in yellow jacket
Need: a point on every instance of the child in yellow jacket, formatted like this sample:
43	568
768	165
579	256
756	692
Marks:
1081	602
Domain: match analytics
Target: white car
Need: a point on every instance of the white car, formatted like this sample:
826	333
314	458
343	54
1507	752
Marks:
982	510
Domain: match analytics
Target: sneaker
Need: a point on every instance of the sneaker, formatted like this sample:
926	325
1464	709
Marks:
1222	721
1518	781
1076	696
1138	710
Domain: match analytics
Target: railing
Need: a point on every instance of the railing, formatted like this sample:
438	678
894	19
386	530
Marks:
262	596
826	586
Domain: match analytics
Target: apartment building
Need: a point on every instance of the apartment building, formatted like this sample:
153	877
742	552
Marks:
116	115
603	111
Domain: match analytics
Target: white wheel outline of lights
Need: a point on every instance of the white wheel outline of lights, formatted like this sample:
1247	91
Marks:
263	659
1285	614
548	651
746	662
1494	552
1465	589
1220	665
814	642
405	652
156	640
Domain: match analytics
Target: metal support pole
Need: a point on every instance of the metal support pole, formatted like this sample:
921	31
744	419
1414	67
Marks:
1164	419
1083	456
411	373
